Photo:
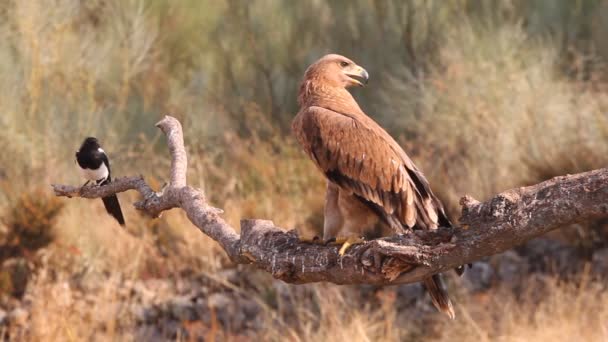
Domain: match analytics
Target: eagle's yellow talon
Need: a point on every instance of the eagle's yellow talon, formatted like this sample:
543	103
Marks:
353	240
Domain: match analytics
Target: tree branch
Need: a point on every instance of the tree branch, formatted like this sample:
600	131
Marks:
503	222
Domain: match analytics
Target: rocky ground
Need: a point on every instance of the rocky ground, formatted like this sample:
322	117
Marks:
199	305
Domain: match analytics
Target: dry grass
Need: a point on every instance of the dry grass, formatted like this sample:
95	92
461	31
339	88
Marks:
480	107
548	310
497	114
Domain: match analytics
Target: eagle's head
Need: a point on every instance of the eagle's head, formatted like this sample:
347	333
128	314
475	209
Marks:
337	71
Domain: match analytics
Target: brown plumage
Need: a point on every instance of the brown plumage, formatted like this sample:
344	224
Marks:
371	180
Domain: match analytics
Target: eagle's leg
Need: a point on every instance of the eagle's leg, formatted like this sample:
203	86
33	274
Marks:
332	216
357	220
332	219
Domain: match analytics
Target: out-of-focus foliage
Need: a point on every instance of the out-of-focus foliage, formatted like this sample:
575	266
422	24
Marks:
484	95
30	220
111	68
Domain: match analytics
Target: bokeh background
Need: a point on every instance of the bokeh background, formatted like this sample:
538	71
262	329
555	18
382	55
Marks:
484	95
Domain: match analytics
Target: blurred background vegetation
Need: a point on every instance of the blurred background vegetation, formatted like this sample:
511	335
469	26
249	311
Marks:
484	95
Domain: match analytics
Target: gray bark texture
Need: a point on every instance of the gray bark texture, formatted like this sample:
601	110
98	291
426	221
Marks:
498	224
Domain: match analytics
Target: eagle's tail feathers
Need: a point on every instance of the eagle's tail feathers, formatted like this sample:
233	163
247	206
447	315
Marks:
439	295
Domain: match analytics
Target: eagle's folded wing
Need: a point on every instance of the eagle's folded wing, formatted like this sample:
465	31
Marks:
358	156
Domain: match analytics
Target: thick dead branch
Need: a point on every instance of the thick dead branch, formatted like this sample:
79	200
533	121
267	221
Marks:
506	220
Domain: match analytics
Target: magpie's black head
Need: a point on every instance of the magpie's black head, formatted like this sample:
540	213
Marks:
91	156
89	144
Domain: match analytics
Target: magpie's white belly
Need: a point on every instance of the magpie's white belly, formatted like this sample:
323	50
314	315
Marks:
95	175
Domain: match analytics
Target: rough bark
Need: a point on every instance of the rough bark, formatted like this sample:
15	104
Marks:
504	221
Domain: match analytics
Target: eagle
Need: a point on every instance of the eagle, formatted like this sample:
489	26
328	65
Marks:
371	182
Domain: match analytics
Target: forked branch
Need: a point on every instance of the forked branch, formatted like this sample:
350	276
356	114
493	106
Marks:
506	220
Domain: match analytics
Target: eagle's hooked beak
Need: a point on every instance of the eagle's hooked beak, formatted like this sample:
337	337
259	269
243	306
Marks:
358	75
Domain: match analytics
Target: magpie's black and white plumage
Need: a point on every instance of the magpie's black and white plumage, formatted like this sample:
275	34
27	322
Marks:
95	166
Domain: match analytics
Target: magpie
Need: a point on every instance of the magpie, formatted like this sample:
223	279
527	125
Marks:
95	166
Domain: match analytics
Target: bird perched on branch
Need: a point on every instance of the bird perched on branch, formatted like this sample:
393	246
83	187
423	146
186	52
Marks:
95	166
370	179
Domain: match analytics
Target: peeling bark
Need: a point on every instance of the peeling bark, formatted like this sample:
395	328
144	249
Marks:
503	222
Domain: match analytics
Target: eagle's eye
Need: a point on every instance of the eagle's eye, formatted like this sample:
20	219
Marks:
343	64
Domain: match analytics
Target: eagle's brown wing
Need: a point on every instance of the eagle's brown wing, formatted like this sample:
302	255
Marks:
358	155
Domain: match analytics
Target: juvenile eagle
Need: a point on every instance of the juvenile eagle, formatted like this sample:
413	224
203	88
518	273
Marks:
370	179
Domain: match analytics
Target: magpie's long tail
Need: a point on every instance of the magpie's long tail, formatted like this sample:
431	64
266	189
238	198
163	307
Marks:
112	205
113	208
439	295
